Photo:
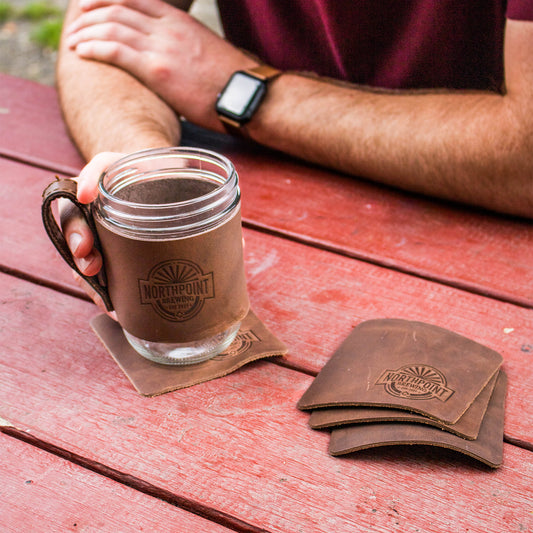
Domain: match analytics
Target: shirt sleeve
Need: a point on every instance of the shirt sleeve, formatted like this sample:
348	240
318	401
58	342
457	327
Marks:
520	9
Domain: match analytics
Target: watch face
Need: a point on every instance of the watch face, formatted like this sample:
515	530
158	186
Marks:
238	96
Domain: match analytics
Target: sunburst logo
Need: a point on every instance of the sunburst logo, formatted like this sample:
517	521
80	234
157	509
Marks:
176	289
416	382
241	344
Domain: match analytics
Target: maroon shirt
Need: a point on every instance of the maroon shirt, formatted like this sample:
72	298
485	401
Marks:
382	43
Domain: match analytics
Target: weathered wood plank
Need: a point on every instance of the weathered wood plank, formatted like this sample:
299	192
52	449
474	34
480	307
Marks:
309	297
463	247
237	444
24	245
42	492
31	128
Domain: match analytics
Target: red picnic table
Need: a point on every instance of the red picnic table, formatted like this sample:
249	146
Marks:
81	449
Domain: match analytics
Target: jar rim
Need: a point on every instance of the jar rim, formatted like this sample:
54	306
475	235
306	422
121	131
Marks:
177	152
178	218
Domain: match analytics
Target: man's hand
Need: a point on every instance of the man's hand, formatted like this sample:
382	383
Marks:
77	234
169	51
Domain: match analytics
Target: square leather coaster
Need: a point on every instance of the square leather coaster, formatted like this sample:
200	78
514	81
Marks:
467	426
404	365
487	448
254	341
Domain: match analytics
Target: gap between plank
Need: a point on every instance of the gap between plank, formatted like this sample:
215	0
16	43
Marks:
197	508
316	243
519	443
276	361
81	295
383	262
42	282
38	162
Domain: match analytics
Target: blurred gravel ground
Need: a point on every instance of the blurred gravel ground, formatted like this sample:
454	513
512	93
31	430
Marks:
19	56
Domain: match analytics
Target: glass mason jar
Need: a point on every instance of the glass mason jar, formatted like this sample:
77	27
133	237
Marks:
169	227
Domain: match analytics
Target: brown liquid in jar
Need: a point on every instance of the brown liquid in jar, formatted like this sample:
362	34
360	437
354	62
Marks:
165	191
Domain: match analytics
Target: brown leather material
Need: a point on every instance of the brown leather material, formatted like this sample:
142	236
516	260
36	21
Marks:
177	290
487	448
264	72
254	341
466	427
232	127
67	188
407	365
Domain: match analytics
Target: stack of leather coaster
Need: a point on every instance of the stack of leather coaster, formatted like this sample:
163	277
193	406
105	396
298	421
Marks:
395	382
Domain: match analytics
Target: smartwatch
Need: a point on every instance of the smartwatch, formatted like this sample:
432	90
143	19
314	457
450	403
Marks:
242	96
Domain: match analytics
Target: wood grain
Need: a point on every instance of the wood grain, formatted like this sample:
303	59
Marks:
31	127
237	444
42	492
310	298
25	249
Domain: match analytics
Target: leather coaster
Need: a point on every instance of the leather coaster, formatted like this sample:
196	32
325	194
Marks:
254	341
404	365
487	448
467	426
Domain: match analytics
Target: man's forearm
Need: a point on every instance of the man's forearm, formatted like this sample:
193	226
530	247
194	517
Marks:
106	109
469	147
452	146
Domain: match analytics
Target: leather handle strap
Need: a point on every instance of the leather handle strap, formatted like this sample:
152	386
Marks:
67	188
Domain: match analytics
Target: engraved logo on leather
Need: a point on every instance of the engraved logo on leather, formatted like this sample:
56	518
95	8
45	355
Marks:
416	382
241	344
177	289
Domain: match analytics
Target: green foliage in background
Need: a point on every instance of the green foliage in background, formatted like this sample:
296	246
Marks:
48	33
6	11
46	18
39	11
